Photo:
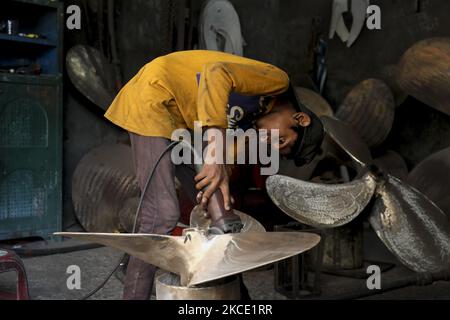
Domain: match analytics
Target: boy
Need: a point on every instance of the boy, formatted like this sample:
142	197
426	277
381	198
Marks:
221	91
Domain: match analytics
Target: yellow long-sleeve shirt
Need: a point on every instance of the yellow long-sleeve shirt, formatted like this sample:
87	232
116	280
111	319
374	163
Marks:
175	90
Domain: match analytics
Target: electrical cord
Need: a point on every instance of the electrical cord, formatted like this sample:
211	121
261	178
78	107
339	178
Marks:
136	218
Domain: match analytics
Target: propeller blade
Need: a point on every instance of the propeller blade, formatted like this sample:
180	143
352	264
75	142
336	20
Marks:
424	72
314	102
411	226
200	221
337	24
235	253
165	252
392	163
220	28
198	258
359	12
321	205
431	177
90	72
369	109
348	140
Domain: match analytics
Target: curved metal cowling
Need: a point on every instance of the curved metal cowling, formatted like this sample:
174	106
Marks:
199	258
411	226
321	205
103	184
348	140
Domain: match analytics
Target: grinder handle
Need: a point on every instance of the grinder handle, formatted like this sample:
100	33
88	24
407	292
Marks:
225	220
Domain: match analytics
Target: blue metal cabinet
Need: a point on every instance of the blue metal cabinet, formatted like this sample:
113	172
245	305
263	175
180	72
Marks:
31	123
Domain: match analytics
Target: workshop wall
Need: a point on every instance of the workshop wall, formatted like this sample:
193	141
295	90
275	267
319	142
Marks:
281	32
284	32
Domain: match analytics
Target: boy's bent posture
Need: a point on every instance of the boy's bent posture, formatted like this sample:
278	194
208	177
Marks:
221	91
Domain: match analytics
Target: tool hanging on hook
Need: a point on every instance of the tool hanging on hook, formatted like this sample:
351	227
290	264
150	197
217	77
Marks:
358	10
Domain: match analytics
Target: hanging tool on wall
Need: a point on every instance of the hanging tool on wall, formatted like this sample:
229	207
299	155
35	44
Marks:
317	53
358	11
321	69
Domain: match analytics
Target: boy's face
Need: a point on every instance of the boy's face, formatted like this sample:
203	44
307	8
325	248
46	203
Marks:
284	119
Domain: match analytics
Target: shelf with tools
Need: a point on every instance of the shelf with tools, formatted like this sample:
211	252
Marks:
30	118
27	39
30	37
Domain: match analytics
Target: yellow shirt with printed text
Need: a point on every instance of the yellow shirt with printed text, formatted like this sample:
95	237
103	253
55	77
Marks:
166	94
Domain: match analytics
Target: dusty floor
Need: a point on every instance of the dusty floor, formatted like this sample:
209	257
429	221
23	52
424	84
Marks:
47	279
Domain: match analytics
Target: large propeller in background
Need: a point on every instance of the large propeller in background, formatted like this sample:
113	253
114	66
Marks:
105	190
412	227
92	74
431	177
423	72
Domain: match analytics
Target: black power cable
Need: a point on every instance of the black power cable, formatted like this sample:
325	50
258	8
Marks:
136	217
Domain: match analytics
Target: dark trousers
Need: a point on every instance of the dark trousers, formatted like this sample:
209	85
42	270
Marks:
160	209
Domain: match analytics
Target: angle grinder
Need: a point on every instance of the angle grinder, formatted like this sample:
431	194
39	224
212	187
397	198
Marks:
222	221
